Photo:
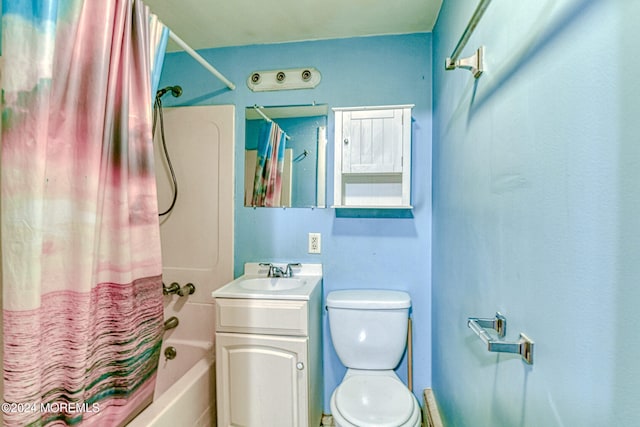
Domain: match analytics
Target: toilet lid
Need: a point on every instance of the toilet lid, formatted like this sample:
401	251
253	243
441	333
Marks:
374	401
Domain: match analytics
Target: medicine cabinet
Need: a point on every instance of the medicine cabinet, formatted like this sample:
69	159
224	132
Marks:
372	163
304	167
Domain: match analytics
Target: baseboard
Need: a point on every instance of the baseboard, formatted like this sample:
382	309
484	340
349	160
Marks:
431	415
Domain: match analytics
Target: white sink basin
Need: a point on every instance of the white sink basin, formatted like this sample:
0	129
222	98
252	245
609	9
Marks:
255	283
271	284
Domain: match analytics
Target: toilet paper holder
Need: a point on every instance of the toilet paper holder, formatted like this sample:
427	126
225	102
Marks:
523	347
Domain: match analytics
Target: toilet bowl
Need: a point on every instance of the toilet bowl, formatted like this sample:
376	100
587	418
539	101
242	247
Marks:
368	331
374	399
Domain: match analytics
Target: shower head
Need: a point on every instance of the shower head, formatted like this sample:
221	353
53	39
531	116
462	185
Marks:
176	91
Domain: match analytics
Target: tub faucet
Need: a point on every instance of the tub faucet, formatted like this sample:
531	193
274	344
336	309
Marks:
171	289
186	290
171	323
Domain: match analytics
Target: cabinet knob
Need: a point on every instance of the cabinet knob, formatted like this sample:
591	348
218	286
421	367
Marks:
300	366
346	140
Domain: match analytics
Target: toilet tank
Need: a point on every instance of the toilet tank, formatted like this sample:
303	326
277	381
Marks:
369	327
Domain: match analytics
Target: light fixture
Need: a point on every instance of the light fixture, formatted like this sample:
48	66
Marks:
293	78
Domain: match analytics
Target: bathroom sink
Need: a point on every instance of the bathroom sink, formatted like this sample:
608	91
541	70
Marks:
255	283
271	284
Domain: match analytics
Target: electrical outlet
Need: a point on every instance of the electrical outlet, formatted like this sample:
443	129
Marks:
314	243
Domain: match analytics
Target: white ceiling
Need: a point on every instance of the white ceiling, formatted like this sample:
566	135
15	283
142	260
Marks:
218	23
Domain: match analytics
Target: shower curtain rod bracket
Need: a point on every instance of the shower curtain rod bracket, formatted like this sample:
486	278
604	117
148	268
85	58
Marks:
473	63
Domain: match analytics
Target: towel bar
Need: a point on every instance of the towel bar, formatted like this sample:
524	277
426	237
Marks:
524	346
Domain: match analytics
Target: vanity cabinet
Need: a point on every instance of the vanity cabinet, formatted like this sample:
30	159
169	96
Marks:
268	361
372	157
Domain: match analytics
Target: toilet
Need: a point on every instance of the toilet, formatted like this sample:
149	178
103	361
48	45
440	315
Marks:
369	333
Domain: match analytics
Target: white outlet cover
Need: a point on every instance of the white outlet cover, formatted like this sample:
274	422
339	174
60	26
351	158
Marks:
288	79
315	247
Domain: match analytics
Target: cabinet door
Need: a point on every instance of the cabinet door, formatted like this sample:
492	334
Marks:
372	141
261	380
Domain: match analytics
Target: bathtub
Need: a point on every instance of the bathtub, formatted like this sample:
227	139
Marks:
185	388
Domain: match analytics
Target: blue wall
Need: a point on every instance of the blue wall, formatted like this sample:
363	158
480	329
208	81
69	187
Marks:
536	213
392	253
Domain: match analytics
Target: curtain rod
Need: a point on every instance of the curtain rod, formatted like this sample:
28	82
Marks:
471	26
264	116
259	111
200	59
475	62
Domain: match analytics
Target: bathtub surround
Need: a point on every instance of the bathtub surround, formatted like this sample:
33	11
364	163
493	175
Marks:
383	253
197	248
536	207
197	240
82	267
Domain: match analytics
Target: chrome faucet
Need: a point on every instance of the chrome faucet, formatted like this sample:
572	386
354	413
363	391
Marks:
175	288
171	289
288	272
186	290
275	271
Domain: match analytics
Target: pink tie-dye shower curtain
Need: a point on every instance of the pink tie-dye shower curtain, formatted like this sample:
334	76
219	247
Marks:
267	183
82	301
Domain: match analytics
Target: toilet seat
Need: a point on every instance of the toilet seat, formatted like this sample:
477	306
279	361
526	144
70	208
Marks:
374	400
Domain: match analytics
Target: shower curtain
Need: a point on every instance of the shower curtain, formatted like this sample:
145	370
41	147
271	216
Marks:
82	301
158	38
267	184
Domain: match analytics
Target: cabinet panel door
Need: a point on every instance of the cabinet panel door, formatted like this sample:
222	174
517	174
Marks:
262	380
372	141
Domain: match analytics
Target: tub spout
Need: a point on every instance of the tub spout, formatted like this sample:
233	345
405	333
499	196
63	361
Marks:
171	323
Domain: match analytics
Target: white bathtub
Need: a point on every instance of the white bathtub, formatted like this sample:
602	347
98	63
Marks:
185	388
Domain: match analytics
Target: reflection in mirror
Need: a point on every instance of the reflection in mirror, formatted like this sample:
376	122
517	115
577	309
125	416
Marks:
285	156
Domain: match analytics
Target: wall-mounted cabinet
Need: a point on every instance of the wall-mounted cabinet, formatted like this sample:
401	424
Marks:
373	157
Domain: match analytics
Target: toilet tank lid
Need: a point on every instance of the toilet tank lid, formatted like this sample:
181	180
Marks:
368	299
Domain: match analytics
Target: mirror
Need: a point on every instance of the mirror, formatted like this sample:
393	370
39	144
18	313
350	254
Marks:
301	164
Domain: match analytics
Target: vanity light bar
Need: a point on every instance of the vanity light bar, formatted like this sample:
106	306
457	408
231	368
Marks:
293	78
